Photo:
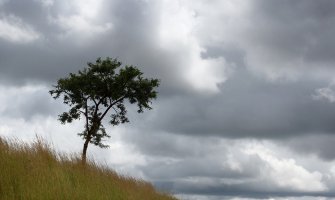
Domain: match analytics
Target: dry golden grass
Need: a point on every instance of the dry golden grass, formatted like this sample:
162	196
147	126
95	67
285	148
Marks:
36	172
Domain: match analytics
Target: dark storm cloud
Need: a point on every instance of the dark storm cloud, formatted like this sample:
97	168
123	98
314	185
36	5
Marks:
284	30
316	144
231	53
249	106
133	39
189	158
292	31
219	181
250	190
42	60
216	166
33	13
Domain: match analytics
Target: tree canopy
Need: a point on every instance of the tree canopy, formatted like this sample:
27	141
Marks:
101	89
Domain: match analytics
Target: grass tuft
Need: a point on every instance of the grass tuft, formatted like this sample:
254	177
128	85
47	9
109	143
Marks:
36	172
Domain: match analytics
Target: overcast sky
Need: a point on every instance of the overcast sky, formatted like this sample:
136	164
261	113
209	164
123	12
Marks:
246	106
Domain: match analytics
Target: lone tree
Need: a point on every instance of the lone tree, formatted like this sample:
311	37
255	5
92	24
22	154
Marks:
100	89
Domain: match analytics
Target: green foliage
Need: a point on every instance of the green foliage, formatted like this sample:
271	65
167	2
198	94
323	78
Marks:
103	87
36	172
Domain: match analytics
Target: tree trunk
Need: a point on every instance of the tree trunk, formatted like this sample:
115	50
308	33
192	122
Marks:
83	155
90	133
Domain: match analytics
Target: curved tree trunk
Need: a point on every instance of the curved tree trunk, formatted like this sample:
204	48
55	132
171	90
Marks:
90	133
83	155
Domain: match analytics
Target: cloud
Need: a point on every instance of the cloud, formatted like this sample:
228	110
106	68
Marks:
283	41
46	3
82	22
177	24
286	173
77	33
250	168
247	107
13	29
316	144
325	93
177	33
27	102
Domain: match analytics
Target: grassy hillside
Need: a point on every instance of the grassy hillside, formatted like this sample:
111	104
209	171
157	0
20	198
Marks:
34	171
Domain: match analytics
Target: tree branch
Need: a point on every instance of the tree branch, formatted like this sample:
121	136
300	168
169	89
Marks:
102	99
110	106
94	101
86	115
82	112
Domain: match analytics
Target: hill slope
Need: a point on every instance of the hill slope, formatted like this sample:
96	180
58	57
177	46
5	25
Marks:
34	171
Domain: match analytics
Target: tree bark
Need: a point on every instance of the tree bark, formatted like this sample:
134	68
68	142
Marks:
83	155
91	132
